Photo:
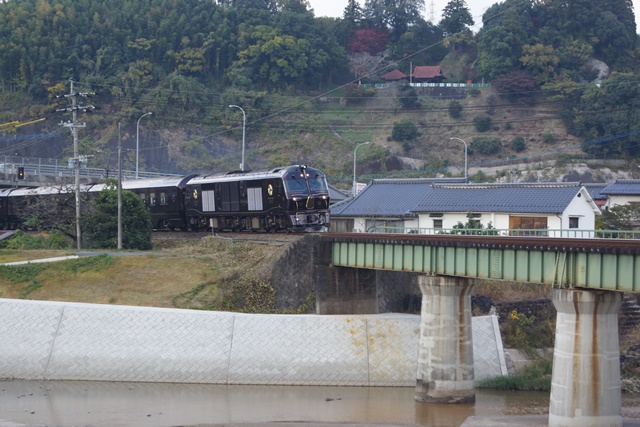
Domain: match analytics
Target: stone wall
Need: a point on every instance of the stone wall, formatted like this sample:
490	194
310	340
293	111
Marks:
305	267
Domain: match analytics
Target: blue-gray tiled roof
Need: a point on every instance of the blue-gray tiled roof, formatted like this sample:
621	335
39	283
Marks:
507	198
623	186
595	190
387	198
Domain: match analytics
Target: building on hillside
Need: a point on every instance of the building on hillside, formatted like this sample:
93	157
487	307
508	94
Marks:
394	76
427	74
622	192
427	206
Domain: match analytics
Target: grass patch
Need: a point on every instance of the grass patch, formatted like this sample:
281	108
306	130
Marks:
185	274
535	377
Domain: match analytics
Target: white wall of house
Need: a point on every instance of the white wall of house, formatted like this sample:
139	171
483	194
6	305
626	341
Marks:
583	210
621	199
359	225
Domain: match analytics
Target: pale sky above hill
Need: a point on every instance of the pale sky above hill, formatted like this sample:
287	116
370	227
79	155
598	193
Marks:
335	8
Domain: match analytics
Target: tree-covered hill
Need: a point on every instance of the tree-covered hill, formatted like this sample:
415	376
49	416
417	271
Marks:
296	78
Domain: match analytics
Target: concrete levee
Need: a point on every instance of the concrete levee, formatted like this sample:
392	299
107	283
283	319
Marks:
74	341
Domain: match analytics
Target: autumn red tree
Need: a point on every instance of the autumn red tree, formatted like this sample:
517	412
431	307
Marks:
371	41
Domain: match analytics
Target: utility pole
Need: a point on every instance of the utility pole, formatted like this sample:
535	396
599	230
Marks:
119	190
76	160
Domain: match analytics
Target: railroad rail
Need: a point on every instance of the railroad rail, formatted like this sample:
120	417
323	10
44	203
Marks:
607	246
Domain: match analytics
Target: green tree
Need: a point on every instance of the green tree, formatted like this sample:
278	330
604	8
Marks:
473	226
456	17
540	60
406	130
411	44
276	59
482	122
486	145
100	225
408	97
501	38
518	144
395	15
620	217
455	109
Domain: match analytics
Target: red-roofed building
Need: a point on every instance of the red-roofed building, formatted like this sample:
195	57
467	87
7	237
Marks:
394	76
427	73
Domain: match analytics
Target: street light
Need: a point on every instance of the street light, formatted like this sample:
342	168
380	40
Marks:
138	139
465	156
354	166
244	125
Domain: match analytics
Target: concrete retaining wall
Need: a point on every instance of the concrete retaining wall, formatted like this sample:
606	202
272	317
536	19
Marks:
72	341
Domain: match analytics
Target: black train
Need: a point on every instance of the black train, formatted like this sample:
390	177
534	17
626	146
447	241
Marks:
291	198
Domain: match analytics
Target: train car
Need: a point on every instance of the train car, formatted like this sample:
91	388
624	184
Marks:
18	203
291	198
164	197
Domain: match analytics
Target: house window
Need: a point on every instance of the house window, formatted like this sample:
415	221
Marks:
437	223
341	225
574	222
528	225
385	226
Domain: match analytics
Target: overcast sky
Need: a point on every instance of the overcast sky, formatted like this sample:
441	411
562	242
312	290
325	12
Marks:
335	8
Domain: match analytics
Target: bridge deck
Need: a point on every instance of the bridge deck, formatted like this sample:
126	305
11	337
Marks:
610	264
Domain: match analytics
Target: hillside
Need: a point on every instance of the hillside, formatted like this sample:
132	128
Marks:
324	132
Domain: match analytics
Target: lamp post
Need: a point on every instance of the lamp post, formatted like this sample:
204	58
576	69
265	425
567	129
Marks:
138	139
244	125
465	156
354	166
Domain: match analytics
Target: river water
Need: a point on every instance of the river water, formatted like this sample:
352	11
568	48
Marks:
110	404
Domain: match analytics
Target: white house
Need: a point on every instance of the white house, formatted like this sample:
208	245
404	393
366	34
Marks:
419	205
519	206
622	192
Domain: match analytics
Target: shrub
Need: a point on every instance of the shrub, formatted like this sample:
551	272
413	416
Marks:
408	97
548	138
474	92
406	130
455	109
482	122
486	145
355	93
518	144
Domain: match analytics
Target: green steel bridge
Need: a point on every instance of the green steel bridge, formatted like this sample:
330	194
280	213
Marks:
594	263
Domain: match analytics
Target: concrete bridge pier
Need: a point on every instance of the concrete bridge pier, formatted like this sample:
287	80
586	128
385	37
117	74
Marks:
445	351
585	384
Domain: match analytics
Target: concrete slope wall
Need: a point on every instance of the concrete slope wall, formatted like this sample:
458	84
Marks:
71	341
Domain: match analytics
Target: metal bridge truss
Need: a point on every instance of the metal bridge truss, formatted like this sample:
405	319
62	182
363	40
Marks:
608	264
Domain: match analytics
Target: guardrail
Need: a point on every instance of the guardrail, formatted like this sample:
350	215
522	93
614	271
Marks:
512	232
59	168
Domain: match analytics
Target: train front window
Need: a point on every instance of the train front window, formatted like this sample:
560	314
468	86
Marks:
318	183
295	184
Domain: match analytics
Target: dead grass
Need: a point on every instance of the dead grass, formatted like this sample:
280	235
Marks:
152	279
511	291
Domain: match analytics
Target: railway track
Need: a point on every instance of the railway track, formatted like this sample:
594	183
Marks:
267	238
613	246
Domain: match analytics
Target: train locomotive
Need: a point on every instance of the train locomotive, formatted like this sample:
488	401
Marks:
292	198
